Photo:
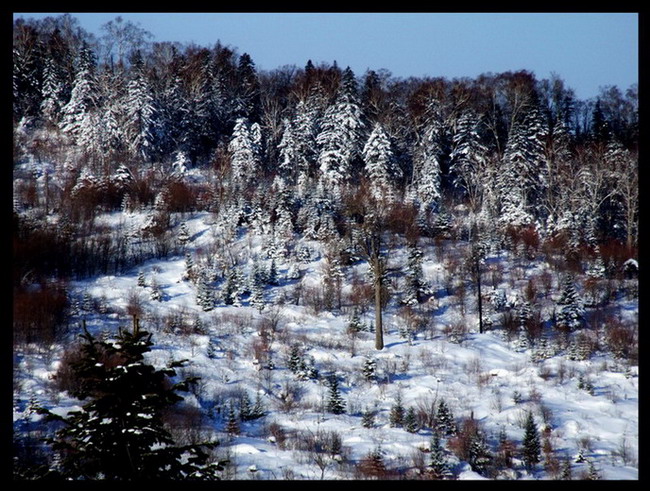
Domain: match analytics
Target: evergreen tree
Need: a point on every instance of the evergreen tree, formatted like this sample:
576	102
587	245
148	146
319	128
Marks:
571	313
204	293
232	424
444	419
369	369
439	467
77	114
368	418
397	412
531	444
416	286
233	287
410	421
426	182
335	403
339	139
245	161
119	434
469	158
381	168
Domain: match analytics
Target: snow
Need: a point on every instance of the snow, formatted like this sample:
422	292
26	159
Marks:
476	376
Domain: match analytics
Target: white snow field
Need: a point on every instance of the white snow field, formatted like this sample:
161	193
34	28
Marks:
483	376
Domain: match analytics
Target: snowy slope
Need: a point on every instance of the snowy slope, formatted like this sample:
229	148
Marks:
477	376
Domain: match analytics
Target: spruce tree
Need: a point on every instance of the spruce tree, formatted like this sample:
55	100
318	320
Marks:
439	467
532	446
444	419
397	411
119	432
335	403
571	313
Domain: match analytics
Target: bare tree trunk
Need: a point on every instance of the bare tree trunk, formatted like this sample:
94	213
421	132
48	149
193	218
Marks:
378	273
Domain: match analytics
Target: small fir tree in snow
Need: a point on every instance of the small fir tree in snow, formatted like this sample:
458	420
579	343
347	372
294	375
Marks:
397	412
531	443
416	286
232	423
335	403
369	369
183	234
141	280
410	421
571	312
444	420
205	294
439	466
368	418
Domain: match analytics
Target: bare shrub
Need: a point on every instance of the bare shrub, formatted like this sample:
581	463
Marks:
39	312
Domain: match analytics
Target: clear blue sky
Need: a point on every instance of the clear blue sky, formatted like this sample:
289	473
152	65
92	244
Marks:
587	50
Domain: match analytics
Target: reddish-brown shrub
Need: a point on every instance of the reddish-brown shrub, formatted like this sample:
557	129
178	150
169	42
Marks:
39	312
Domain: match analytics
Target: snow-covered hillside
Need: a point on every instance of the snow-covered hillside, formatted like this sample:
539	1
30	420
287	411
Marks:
586	409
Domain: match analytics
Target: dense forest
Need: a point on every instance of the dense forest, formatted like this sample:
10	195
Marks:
361	163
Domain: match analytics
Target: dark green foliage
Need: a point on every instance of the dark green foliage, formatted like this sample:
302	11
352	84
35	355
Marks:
335	403
532	446
410	421
119	433
439	467
445	422
397	412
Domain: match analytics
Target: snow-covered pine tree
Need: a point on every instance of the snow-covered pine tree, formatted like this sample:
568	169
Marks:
416	286
410	420
76	113
233	287
469	158
439	466
142	119
531	443
425	185
369	369
444	420
335	403
523	180
381	168
571	311
205	297
339	140
244	160
257	282
397	412
119	431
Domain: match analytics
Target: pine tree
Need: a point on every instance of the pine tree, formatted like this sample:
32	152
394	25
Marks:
571	313
410	421
232	424
244	159
205	294
532	447
415	287
439	467
368	418
397	411
335	403
77	112
369	369
469	158
142	119
444	419
380	168
426	182
339	139
119	434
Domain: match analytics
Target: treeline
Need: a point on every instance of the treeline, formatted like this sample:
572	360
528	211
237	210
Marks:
119	122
